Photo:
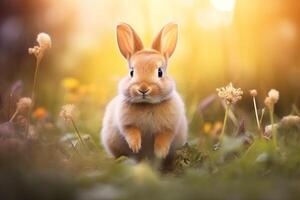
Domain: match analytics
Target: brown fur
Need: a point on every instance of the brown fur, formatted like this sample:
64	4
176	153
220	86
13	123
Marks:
143	125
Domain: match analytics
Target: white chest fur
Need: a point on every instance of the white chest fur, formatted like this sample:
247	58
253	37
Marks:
151	118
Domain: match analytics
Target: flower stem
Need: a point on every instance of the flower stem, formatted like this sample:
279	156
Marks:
73	146
256	114
274	135
249	148
78	134
262	115
33	94
35	81
225	121
14	115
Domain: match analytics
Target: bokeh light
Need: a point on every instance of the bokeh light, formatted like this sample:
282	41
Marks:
223	5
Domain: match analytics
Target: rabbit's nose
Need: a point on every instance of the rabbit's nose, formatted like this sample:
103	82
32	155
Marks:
143	91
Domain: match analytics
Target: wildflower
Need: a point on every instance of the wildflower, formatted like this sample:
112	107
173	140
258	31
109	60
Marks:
70	83
207	127
40	113
24	104
35	50
253	92
67	112
268	130
44	40
216	130
272	98
230	94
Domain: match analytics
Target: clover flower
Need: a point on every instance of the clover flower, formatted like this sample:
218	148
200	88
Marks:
272	98
253	92
24	104
67	112
44	42
230	94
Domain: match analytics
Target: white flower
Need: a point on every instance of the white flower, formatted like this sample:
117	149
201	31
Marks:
44	40
268	130
230	94
67	112
253	92
272	98
274	95
24	104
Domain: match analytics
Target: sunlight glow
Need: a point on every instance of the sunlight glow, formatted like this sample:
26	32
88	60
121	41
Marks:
224	5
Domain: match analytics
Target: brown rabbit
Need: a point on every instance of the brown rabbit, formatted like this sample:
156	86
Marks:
147	117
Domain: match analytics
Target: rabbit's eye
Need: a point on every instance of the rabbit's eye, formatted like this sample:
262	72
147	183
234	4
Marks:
131	72
160	72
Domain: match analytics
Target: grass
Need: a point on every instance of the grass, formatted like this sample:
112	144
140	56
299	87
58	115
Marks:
236	170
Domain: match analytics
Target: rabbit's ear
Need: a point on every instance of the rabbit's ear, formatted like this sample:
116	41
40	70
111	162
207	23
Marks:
165	41
128	41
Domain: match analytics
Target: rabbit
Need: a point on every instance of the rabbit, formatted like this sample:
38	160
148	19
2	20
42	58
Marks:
147	118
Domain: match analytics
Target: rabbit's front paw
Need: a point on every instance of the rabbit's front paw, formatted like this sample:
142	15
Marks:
133	138
134	144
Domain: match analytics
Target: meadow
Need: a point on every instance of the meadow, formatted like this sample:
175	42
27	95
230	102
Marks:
236	67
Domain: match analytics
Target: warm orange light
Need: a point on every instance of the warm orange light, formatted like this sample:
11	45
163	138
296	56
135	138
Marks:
224	5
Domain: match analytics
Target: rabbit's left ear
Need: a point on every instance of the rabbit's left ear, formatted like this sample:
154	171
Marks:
166	40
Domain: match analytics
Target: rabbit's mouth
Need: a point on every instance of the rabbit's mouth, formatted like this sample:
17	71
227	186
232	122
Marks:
145	99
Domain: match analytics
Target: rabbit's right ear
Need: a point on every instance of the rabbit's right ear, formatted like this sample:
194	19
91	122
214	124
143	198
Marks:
128	41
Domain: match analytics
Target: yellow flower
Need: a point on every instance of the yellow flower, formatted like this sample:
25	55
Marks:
207	127
217	128
70	84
